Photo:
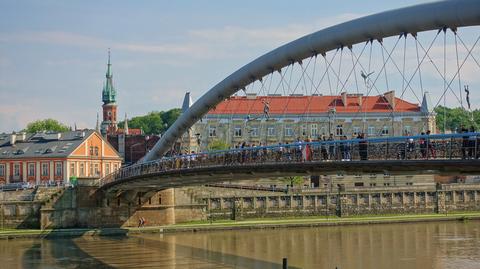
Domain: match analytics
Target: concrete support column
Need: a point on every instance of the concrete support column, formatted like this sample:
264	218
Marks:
415	199
358	200
52	170
24	171
454	197
222	204
382	201
38	171
369	202
7	172
440	202
303	201
291	201
254	202
403	199
315	202
267	205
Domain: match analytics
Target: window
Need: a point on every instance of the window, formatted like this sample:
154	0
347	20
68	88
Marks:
212	131
2	170
31	169
385	130
237	131
288	130
97	170
373	184
358	184
314	130
254	132
72	169
45	167
304	130
339	129
82	169
371	130
58	169
115	167
386	184
16	169
407	130
271	131
96	151
107	168
356	129
91	151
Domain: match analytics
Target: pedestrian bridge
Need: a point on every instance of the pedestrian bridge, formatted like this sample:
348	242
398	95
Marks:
443	154
395	47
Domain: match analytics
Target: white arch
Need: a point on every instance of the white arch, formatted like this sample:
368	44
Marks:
414	19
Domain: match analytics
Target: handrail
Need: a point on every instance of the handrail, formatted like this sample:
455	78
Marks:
383	148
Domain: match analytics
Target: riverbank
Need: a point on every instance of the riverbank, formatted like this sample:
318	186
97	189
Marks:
205	226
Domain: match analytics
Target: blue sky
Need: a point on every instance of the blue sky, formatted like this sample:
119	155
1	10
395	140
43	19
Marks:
53	53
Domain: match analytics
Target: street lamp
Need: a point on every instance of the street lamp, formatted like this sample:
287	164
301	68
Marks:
331	112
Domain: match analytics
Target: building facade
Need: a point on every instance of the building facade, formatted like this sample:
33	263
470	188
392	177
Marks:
276	119
45	157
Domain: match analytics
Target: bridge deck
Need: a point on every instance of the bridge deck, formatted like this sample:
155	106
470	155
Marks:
444	154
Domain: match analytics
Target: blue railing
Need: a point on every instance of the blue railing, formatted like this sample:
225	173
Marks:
426	147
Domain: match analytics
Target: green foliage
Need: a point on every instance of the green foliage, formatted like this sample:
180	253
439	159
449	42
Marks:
217	145
455	117
47	125
293	181
155	122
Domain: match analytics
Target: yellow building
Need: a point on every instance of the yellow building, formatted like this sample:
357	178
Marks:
45	157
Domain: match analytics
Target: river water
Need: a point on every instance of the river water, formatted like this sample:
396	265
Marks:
416	245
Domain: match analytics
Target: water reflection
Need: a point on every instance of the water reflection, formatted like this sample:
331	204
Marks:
425	245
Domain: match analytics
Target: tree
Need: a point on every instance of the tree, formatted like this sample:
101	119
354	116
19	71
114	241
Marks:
453	118
47	125
155	122
217	145
293	181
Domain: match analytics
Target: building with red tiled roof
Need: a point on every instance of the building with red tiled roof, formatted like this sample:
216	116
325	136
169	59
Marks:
274	118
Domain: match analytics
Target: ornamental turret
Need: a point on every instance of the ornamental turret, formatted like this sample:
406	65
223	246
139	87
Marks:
109	123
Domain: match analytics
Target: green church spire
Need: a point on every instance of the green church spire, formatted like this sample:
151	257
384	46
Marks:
109	93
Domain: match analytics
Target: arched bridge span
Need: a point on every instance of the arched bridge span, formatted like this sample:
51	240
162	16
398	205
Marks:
410	20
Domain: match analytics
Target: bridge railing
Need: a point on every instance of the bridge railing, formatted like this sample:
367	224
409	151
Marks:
422	147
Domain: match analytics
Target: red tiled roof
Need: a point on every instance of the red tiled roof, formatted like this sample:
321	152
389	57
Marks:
131	131
280	105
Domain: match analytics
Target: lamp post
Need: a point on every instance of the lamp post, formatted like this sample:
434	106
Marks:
331	114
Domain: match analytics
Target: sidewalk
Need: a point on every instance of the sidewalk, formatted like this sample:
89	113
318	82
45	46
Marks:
238	225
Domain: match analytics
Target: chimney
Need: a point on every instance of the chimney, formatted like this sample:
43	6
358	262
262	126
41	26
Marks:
390	97
22	136
360	99
13	139
344	98
251	96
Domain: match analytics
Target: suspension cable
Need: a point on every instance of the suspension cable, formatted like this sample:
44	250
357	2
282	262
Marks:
418	64
458	67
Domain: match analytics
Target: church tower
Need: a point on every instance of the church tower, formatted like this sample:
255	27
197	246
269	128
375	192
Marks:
109	123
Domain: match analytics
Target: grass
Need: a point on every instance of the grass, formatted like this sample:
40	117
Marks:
323	219
259	222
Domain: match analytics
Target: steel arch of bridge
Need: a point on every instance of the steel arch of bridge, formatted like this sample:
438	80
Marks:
410	20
